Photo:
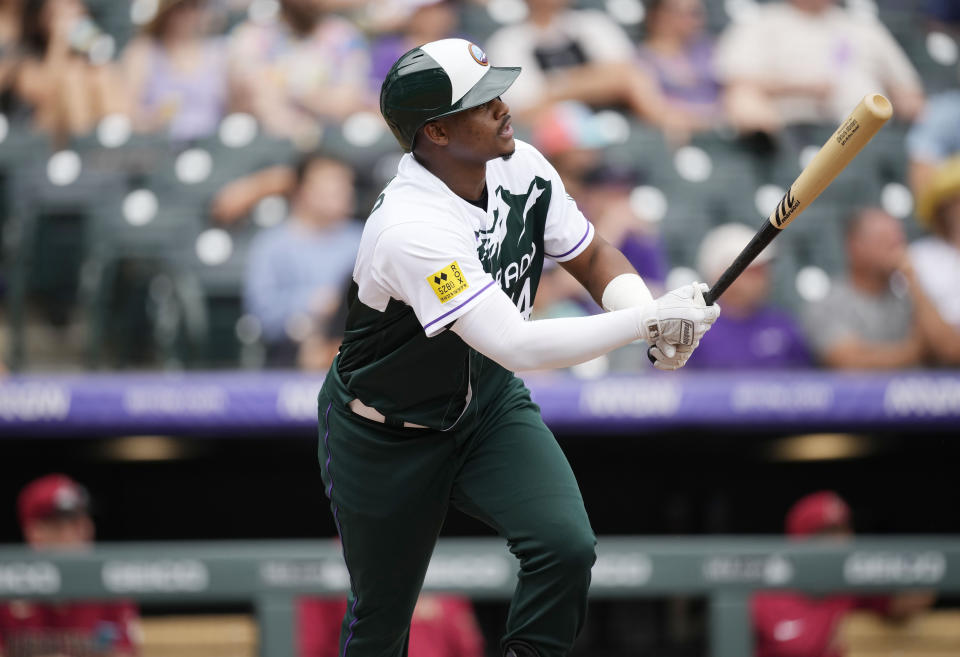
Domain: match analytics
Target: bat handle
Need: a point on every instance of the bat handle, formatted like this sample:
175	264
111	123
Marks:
709	297
760	240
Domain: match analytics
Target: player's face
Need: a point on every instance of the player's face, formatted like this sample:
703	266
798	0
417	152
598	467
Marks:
74	531
481	133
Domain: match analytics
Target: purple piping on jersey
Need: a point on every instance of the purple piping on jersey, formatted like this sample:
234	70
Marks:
575	247
336	520
461	305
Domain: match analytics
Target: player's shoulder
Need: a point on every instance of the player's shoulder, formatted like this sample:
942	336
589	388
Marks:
408	207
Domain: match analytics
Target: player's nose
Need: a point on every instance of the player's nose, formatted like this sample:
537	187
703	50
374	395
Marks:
500	108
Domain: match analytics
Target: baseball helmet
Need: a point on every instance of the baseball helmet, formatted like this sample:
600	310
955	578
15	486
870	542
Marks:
437	79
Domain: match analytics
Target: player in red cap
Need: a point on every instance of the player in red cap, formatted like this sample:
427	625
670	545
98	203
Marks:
54	514
792	624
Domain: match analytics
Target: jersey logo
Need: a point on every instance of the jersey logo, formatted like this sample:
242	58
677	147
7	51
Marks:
492	239
448	282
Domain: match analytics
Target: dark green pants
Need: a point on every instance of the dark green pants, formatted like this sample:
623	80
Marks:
390	489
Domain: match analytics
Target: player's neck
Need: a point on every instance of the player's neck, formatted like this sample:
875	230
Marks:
465	179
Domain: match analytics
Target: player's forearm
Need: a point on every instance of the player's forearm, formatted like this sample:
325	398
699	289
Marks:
496	330
599	264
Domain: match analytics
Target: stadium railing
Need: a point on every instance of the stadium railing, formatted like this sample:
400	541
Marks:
271	575
250	402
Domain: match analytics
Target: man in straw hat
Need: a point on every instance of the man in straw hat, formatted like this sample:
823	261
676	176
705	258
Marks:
933	269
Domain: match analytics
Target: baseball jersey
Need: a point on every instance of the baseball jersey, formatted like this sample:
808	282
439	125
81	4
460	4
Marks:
427	257
72	629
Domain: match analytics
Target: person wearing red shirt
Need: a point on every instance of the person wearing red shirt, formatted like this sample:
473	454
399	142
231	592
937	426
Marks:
442	626
54	515
790	624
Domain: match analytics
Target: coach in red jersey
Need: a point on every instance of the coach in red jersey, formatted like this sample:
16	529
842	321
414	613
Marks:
788	624
54	514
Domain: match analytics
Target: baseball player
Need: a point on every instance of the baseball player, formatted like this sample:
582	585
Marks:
54	514
421	409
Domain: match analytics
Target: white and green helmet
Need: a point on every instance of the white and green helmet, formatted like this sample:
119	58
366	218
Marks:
437	79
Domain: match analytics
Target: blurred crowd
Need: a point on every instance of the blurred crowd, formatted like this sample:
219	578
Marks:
184	182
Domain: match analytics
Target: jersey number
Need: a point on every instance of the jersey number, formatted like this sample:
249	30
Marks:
523	300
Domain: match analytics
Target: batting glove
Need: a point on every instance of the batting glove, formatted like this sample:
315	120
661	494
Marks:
669	357
679	317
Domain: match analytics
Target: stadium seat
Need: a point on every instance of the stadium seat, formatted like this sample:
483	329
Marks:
53	204
135	239
208	285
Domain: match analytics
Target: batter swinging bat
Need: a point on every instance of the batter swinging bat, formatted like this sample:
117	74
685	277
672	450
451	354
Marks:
854	132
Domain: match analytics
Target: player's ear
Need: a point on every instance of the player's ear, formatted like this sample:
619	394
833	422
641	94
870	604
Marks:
435	132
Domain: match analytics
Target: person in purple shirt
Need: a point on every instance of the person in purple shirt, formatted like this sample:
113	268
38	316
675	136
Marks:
678	52
425	21
751	334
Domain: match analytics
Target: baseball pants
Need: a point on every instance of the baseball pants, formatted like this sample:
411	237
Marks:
389	491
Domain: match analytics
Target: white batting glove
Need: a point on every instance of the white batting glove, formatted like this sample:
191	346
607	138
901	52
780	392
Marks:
680	317
669	357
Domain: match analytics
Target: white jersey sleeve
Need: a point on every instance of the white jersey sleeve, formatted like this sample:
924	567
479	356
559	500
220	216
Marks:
567	232
432	268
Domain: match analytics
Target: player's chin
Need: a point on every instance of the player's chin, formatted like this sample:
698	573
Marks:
508	148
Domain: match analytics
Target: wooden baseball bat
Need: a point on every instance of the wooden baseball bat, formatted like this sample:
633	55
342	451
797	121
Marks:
854	132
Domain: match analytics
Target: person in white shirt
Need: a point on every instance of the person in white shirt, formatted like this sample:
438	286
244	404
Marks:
810	61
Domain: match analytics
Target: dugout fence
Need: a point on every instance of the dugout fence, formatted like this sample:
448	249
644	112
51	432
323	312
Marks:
270	575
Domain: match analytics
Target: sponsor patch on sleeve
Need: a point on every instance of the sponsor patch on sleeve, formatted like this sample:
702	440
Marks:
448	282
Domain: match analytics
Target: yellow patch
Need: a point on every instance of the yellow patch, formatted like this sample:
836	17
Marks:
448	282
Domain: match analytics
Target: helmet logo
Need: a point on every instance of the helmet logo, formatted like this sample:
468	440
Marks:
477	53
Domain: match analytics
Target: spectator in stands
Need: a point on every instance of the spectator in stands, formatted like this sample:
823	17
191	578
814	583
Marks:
442	626
424	21
55	516
810	61
66	77
296	270
297	71
679	54
11	23
866	322
322	343
934	138
580	55
933	268
945	13
792	624
573	139
176	72
753	334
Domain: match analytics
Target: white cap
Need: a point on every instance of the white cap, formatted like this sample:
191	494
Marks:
720	247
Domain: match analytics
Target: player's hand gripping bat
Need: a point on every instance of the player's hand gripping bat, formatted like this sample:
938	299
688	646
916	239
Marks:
854	132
